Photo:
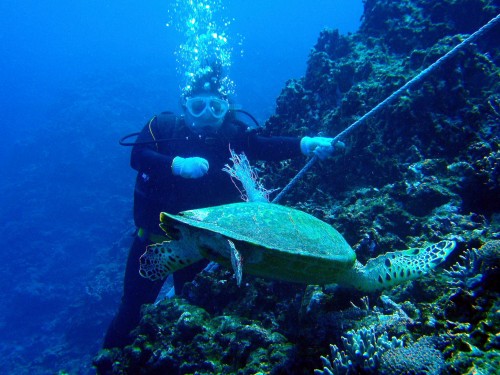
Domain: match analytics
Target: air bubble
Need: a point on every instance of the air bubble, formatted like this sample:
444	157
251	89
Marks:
205	51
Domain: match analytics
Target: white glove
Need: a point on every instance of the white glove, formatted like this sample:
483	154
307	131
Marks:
189	167
320	146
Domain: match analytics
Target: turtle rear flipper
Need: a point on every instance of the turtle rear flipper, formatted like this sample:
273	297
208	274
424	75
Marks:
397	267
164	258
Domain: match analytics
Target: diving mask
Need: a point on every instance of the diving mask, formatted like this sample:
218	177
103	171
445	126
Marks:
200	105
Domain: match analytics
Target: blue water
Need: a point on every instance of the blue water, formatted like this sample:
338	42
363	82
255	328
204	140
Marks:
75	77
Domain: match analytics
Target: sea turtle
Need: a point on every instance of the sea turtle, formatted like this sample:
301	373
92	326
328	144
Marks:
279	242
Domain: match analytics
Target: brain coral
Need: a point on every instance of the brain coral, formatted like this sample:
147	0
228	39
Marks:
420	358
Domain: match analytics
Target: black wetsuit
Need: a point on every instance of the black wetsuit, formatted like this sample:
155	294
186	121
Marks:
157	190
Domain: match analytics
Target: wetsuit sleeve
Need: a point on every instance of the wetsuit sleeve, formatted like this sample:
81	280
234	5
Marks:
146	157
272	148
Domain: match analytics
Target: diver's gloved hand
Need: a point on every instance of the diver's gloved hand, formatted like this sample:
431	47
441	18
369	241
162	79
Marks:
320	146
189	167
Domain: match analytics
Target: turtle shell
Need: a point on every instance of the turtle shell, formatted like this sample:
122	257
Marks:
274	240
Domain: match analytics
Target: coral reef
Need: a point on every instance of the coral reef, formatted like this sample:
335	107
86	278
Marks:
425	169
195	343
216	328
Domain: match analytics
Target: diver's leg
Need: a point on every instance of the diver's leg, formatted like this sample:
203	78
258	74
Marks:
187	274
136	292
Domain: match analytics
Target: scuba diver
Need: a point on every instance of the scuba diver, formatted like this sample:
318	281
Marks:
179	162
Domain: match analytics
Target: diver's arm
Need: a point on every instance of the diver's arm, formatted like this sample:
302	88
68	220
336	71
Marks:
146	157
272	148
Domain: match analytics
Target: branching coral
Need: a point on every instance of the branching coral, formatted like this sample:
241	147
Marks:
363	349
466	273
475	264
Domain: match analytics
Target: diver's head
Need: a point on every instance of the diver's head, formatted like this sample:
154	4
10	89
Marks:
205	112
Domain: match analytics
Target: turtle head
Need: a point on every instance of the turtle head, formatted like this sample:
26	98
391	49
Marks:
397	267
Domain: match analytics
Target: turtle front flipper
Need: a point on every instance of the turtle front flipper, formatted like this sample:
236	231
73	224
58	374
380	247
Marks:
397	267
163	258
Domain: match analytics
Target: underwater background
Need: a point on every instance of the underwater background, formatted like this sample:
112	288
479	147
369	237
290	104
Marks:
77	76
